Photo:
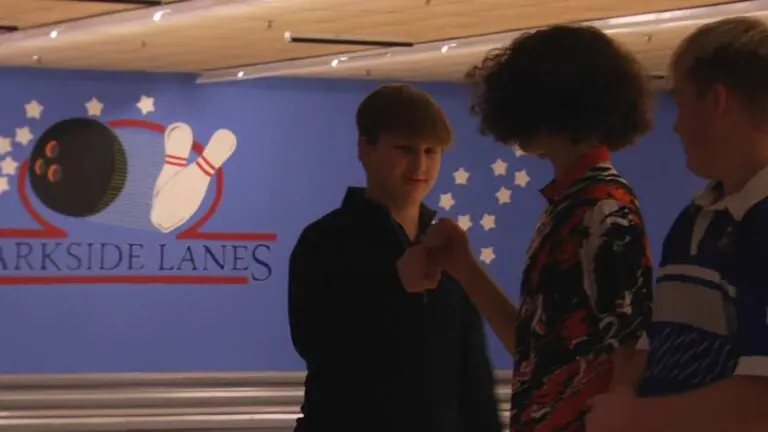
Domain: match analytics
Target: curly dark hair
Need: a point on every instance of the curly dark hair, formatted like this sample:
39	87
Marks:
571	81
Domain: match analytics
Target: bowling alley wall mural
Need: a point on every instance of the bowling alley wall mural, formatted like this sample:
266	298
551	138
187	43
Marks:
131	173
146	222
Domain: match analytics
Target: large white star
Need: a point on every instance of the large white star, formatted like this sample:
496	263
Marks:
487	255
521	178
146	104
464	222
8	166
488	221
23	135
94	107
446	201
499	168
5	145
4	186
504	195
519	152
33	109
460	176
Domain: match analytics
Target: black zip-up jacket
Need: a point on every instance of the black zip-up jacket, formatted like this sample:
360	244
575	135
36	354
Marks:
380	359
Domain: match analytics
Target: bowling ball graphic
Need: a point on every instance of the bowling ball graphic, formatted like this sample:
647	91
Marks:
78	167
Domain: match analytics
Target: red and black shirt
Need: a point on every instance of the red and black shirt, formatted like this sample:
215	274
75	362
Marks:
586	289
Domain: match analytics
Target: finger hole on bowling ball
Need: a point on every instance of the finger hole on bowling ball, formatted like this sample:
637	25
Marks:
54	173
52	149
39	167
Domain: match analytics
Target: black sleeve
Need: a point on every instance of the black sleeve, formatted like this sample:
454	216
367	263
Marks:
337	331
479	406
316	285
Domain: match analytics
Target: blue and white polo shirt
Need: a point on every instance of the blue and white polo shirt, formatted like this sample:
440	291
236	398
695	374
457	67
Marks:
710	311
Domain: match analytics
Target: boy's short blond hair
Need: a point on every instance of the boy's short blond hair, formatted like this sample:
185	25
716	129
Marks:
732	52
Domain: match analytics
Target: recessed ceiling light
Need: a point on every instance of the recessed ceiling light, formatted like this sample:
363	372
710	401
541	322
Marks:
159	15
54	34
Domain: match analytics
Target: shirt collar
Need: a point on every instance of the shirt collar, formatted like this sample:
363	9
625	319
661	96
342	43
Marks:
356	200
738	203
575	171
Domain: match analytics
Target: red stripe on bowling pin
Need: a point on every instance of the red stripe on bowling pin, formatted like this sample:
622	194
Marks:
205	166
175	160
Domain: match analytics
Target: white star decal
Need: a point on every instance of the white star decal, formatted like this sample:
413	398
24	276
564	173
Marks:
446	201
23	135
521	178
519	152
488	221
487	255
146	104
94	107
33	109
4	186
464	222
499	168
461	176
504	195
5	145
8	166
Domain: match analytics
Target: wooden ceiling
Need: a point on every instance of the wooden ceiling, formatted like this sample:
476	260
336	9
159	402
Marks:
232	33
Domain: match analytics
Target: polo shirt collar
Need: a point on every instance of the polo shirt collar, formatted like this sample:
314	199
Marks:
575	171
738	203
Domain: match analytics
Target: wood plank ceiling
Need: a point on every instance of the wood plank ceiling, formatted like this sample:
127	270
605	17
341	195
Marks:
241	32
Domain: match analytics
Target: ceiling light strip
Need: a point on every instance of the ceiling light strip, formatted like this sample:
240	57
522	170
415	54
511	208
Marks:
476	44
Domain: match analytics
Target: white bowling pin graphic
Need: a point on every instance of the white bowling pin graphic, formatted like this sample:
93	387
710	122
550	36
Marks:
178	145
182	195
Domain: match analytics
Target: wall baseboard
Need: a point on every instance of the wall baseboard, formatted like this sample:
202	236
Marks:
211	402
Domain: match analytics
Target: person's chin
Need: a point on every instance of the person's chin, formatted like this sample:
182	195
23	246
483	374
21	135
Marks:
697	170
415	192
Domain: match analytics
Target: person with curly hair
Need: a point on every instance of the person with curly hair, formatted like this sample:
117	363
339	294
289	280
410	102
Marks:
571	95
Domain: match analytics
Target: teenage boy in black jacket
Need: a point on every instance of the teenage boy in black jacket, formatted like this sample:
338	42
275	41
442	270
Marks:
379	358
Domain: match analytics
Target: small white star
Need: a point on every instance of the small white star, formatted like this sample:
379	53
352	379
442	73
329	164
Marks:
461	176
488	221
519	152
499	168
5	145
504	195
487	255
464	222
8	166
33	109
94	107
23	135
146	104
4	186
521	178
446	201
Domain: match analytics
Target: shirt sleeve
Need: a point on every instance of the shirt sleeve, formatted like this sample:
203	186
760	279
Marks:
617	270
751	300
753	360
478	405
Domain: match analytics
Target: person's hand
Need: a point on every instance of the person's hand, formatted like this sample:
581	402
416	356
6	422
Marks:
448	245
417	269
617	410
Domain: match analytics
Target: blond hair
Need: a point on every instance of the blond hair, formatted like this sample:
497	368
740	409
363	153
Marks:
732	52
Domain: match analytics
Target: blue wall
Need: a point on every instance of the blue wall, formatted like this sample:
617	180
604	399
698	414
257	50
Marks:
295	156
